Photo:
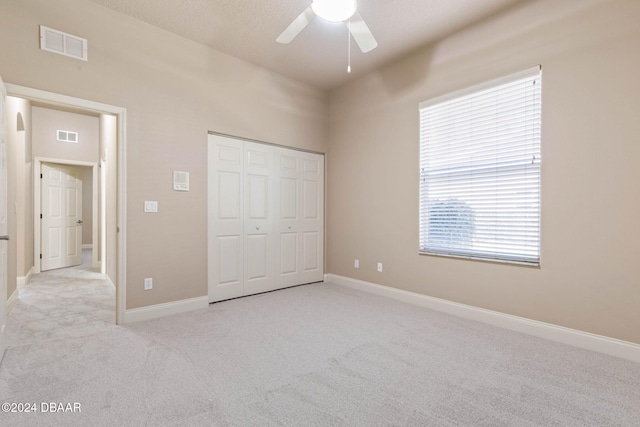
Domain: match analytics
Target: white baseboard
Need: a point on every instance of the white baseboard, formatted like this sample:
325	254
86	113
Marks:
12	300
165	309
602	344
23	280
87	246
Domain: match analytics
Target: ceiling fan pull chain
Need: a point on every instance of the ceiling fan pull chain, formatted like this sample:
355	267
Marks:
349	45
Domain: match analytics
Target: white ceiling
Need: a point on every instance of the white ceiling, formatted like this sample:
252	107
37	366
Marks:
247	29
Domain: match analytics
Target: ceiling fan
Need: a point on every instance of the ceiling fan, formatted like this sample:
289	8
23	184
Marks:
333	11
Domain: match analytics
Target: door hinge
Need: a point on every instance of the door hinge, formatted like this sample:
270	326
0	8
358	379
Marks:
40	256
40	176
40	216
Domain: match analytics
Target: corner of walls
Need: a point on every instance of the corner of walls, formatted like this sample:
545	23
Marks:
23	280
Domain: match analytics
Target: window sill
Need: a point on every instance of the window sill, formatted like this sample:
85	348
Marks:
482	259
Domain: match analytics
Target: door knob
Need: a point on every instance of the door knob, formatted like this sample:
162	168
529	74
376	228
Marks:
257	228
79	221
4	237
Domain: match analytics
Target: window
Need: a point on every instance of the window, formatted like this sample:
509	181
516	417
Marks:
480	171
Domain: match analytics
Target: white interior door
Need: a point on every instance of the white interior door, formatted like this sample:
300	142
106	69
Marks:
61	204
4	243
226	243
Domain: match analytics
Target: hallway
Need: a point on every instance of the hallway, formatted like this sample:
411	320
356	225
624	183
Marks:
60	304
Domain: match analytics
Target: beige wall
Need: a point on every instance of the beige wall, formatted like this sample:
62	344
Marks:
589	277
46	123
19	194
174	91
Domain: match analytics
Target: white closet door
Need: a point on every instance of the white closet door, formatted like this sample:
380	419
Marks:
312	218
258	196
300	218
226	222
288	211
266	224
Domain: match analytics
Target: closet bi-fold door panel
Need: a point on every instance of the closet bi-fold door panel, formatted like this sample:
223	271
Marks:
299	218
312	218
226	218
258	213
288	192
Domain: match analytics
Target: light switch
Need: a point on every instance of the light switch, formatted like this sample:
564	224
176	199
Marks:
150	206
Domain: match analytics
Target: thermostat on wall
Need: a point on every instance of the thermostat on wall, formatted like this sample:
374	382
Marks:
180	181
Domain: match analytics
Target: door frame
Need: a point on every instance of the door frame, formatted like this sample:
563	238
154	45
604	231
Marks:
120	233
4	257
37	200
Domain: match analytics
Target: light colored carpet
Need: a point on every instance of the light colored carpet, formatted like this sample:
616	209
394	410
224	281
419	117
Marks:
315	355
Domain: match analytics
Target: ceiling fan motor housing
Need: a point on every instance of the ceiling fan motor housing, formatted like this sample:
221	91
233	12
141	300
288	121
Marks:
334	10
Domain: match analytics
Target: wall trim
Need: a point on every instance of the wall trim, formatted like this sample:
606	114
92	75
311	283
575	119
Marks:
23	280
165	309
599	343
87	246
11	302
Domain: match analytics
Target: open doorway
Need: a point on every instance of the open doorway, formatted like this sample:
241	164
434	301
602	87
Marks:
107	172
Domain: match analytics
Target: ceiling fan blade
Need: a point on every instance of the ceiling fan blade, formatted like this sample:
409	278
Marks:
296	26
361	33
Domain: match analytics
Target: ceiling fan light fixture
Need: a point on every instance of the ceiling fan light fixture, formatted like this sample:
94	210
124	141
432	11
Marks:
334	10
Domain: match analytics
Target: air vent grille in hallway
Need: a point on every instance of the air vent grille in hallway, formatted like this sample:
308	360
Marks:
67	136
65	44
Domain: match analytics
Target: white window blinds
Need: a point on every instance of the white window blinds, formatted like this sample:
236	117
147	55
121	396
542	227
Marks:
480	171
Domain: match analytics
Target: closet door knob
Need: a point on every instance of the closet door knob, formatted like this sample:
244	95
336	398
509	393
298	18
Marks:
257	228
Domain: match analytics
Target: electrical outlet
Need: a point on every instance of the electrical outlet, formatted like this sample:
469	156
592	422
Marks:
356	263
148	284
379	267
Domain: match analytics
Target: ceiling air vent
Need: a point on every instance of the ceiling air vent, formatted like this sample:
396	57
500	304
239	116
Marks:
63	43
